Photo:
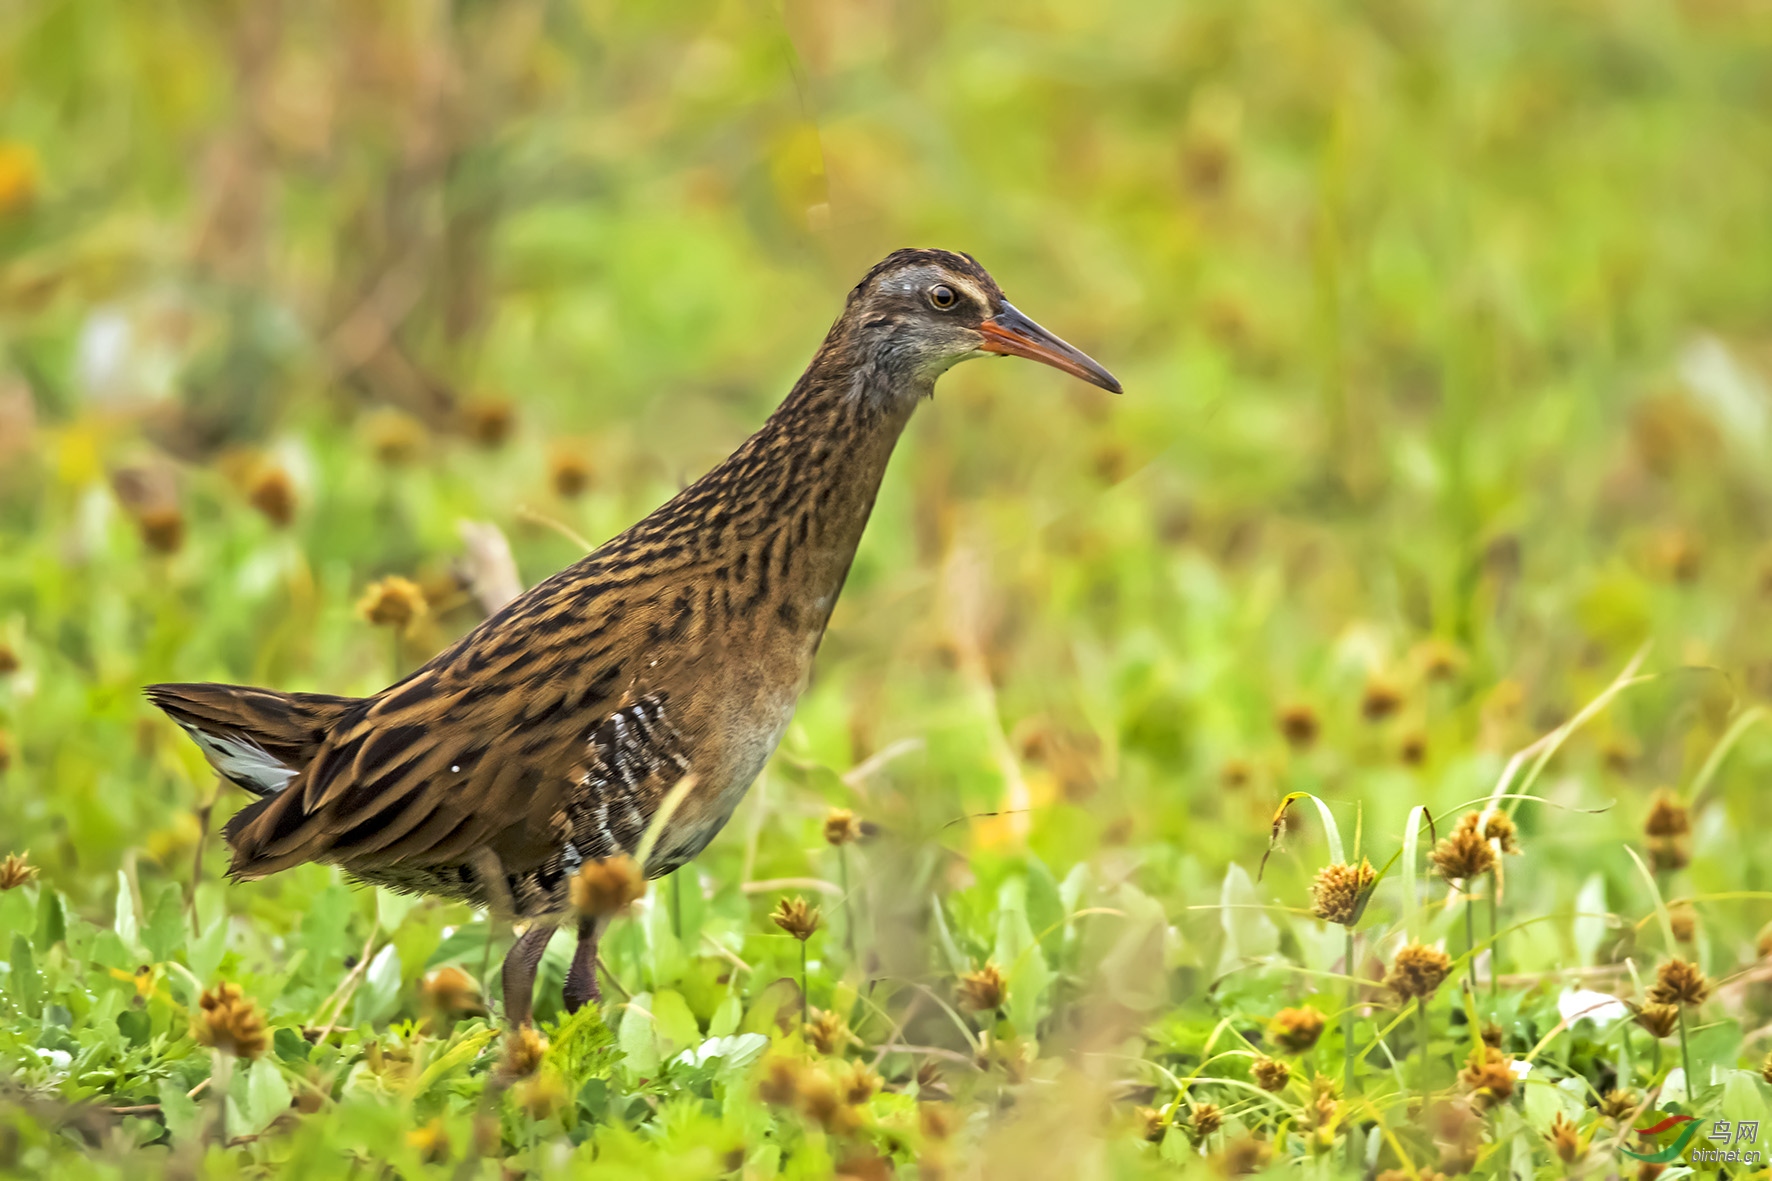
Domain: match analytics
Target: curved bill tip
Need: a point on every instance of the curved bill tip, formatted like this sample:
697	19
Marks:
1014	335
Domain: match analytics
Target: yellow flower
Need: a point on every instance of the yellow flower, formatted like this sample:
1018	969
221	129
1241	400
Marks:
841	827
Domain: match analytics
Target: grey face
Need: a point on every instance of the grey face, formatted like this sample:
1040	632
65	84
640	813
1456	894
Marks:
916	321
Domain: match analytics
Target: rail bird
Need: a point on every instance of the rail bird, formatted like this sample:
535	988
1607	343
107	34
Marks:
548	736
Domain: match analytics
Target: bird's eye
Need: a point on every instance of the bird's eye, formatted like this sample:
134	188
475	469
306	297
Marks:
942	296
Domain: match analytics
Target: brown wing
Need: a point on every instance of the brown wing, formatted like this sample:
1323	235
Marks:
258	739
489	747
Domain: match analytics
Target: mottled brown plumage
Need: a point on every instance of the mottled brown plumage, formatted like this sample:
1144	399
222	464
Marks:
549	735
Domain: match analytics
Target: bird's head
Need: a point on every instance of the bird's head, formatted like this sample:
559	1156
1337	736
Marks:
920	312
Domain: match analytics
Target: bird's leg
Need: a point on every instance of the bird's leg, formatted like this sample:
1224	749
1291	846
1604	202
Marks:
519	972
581	980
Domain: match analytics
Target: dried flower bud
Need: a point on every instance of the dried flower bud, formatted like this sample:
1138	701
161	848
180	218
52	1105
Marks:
229	1021
827	1033
604	889
394	602
1412	748
488	421
780	1080
1491	1034
1464	855
1298	723
1667	817
819	1101
162	528
983	991
1206	1119
1489	1076
452	992
15	871
841	827
8	660
1659	1020
395	437
1679	982
1236	773
1270	1073
1498	827
1340	892
272	493
1565	1140
1245	1156
859	1084
1437	659
524	1049
1668	854
795	917
1684	921
1418	971
935	1120
1619	1106
1296	1030
1153	1122
1380	700
569	473
1763	942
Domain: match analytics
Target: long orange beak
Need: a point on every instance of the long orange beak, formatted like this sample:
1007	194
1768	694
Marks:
1014	335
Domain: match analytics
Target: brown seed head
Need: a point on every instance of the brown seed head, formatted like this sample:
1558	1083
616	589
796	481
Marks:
1679	982
841	827
1245	1155
984	990
1464	855
604	889
431	1141
1380	700
1412	749
229	1021
1340	891
795	917
779	1081
272	493
1236	773
1418	971
827	1033
1668	854
1565	1140
1298	723
1296	1030
1659	1020
1491	1034
1667	816
819	1101
16	870
1619	1106
162	528
858	1084
1438	660
8	660
488	421
1489	1076
1153	1122
569	472
453	992
1684	921
524	1049
1499	827
1763	942
1270	1073
395	437
394	602
1206	1119
935	1120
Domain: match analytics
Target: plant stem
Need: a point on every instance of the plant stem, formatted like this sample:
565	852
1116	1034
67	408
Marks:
1421	1020
848	914
677	905
805	1012
1494	943
1470	938
1347	1042
1686	1061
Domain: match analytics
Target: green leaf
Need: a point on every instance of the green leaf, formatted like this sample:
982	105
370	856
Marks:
127	923
639	1049
464	945
1046	908
204	955
165	932
23	980
379	993
1411	886
956	962
1019	956
52	919
391	909
673	1023
267	1096
1590	918
726	1017
1249	934
182	1115
582	1047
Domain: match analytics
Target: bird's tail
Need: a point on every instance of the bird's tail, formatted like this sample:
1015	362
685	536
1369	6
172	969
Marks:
256	738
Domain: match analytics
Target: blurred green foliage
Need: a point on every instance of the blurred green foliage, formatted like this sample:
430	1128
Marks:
1447	334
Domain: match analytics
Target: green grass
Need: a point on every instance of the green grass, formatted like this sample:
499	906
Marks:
1447	336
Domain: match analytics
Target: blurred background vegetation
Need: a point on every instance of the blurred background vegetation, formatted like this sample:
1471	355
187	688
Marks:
1446	331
